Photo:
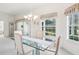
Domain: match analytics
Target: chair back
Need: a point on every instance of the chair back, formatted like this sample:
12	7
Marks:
57	45
18	42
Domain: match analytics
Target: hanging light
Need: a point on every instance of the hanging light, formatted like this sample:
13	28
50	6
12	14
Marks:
30	15
25	17
35	17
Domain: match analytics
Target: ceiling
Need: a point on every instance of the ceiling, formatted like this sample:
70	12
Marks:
26	8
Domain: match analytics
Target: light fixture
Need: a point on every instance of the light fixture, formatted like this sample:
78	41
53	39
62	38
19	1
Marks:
30	15
25	17
35	17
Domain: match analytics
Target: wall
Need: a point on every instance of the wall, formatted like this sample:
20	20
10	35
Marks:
36	30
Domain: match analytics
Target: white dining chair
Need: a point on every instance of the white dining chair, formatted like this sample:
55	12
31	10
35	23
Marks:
18	42
20	47
55	48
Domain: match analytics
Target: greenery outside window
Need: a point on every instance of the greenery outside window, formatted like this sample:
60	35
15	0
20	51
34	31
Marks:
74	27
49	29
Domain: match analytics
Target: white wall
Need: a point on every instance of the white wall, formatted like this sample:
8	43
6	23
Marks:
36	29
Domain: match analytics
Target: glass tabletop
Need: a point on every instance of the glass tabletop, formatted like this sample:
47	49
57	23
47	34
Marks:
33	44
36	44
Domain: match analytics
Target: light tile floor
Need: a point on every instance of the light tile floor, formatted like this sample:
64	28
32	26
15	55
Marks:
7	47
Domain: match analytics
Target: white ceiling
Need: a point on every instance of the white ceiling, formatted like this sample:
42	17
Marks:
26	8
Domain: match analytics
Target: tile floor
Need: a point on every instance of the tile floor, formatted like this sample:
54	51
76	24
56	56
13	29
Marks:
7	47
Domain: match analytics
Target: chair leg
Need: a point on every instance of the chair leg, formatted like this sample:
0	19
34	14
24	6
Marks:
56	53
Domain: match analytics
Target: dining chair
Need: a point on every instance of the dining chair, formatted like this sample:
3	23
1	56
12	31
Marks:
18	42
21	49
55	48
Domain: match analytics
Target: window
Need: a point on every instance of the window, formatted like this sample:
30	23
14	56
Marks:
74	27
49	28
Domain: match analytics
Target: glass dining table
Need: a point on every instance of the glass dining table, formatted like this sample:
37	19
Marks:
37	44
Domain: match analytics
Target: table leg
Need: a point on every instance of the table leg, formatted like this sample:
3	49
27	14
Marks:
36	51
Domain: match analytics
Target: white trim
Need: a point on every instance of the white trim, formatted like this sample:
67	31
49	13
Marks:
72	25
44	31
67	27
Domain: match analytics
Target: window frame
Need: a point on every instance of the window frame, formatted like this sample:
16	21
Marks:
73	26
44	28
